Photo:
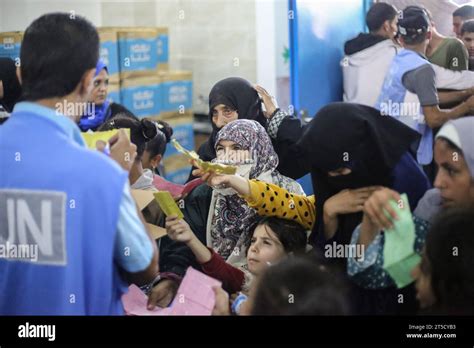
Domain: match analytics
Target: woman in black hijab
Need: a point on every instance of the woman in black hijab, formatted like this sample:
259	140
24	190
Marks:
235	98
11	89
348	149
230	99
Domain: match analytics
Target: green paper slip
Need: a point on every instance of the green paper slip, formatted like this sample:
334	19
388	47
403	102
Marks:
398	252
168	204
401	271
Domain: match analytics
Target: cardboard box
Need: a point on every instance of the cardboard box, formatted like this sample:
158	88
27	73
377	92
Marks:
109	52
177	91
179	176
138	51
10	44
113	93
143	198
142	96
176	165
163	49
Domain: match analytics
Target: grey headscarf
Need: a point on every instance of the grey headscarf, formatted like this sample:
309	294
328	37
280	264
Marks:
461	133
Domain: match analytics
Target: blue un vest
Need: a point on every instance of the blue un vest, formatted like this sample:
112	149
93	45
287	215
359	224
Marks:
77	275
393	95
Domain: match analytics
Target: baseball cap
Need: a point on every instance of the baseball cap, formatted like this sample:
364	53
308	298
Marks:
413	21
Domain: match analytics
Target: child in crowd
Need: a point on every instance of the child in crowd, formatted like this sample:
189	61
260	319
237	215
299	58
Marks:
150	137
272	240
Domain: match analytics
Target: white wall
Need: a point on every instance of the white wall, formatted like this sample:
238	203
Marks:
212	38
18	14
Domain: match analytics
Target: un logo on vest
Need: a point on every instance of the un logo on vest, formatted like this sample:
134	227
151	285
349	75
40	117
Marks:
33	226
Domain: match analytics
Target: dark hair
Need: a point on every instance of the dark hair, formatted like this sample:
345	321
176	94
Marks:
378	14
451	270
157	145
56	51
467	27
141	131
300	286
414	40
291	234
415	37
465	12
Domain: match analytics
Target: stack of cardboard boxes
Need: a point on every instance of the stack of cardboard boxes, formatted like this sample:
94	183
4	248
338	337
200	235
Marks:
148	88
140	79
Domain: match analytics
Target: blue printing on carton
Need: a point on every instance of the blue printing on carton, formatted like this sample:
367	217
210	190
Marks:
138	54
142	101
10	50
177	93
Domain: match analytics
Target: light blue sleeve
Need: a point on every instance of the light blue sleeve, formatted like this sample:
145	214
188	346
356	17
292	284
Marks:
368	272
133	249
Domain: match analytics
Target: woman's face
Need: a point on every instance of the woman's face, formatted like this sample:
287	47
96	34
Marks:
230	151
454	178
99	89
222	114
265	249
422	276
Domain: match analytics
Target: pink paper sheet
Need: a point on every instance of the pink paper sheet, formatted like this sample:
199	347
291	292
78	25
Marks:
194	297
135	303
176	190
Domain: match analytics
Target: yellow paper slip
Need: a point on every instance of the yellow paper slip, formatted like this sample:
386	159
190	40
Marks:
91	138
206	166
168	204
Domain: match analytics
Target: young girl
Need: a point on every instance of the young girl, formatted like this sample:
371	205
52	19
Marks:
151	138
272	240
155	148
219	217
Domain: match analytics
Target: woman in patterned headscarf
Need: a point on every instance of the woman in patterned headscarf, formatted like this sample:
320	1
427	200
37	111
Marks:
246	144
219	217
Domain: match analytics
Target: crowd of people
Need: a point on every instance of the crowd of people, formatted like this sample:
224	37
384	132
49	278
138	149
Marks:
405	128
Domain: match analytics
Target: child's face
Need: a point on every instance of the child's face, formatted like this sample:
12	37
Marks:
424	291
265	249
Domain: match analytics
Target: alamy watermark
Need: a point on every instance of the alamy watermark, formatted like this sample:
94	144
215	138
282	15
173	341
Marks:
344	251
73	109
19	251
